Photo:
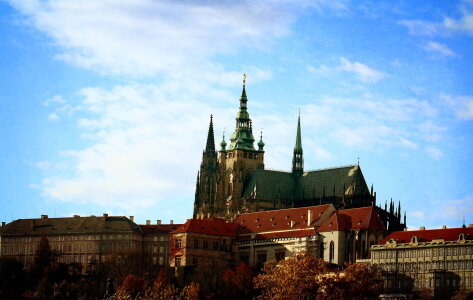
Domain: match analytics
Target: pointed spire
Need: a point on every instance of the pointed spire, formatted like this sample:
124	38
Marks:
210	145
243	98
404	217
261	143
223	144
371	190
298	159
399	210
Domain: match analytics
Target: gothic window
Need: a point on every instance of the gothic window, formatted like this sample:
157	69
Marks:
331	251
321	250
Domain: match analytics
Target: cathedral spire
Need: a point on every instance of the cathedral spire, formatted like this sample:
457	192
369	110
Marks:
242	138
210	145
297	159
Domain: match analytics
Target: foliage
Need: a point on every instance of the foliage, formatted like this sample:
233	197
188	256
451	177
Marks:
122	263
133	285
306	277
292	278
162	289
239	282
12	277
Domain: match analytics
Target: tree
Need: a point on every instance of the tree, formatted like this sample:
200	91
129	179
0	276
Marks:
292	278
12	277
357	281
239	282
122	263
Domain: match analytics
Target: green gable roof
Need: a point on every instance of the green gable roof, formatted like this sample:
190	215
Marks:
310	185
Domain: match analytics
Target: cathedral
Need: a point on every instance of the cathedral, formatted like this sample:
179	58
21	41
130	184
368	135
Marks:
234	179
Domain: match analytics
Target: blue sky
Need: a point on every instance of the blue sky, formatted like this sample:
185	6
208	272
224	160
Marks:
105	105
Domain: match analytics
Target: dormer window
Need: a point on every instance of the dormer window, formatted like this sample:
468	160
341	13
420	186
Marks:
461	237
414	240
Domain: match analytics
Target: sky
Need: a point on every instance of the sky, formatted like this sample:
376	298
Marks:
105	105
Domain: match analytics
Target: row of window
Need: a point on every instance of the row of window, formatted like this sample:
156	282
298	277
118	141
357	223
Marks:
426	266
75	248
204	244
449	251
245	155
72	237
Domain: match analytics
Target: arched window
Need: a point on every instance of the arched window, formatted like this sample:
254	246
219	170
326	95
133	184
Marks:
331	251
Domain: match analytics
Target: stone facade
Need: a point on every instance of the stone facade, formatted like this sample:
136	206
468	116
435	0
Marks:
81	239
439	260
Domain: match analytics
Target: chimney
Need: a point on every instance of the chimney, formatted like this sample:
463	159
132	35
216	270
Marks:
105	216
44	216
405	228
76	216
444	226
470	226
148	222
309	217
422	228
172	222
132	218
158	222
3	224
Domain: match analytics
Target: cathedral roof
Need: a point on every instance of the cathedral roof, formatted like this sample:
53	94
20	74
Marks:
271	184
353	219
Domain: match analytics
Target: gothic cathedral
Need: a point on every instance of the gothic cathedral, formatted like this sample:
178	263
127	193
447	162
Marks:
234	179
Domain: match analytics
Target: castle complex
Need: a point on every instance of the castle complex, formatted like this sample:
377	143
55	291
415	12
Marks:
234	179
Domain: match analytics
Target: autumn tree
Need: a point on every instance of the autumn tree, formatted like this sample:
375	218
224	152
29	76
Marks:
239	282
12	277
122	263
292	278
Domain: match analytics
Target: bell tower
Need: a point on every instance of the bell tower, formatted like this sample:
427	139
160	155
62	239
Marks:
240	159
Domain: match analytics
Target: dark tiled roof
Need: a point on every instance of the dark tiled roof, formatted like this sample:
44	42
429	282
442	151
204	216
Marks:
274	220
313	184
52	226
212	225
159	228
353	219
449	234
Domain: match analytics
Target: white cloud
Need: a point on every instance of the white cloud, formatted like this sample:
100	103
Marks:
461	105
434	152
449	25
147	37
419	27
364	72
439	48
53	117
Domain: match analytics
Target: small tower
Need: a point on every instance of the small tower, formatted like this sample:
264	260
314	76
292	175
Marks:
298	159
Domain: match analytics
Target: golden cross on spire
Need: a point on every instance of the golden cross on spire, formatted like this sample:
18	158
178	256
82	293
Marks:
244	78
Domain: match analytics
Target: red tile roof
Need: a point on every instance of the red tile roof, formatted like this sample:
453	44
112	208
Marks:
276	220
352	219
212	225
159	228
449	234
